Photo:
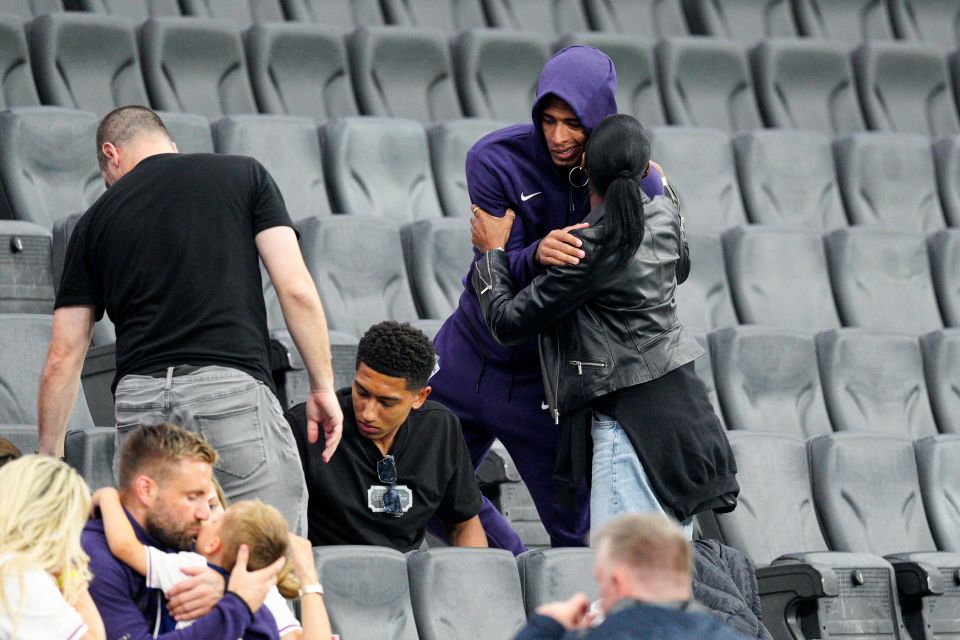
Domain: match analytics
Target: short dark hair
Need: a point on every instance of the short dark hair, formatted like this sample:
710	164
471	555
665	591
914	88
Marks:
398	350
123	124
152	449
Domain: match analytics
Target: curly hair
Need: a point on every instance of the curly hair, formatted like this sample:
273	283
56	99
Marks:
398	350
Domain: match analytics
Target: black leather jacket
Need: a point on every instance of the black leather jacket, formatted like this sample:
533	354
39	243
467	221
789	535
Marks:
601	327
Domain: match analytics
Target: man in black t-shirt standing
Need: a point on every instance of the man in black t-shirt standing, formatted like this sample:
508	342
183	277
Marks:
402	459
170	251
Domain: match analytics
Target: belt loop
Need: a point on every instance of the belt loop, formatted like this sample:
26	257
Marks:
169	378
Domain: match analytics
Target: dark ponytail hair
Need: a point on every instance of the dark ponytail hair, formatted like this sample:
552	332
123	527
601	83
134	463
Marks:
618	153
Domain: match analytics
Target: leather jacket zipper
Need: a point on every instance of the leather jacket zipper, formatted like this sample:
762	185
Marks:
579	364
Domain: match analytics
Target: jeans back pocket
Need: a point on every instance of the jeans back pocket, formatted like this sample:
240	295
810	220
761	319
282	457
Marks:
237	436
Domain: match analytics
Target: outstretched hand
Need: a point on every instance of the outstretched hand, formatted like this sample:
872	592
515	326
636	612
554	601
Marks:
323	409
489	232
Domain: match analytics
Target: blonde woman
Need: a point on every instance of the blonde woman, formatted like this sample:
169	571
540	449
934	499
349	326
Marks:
43	570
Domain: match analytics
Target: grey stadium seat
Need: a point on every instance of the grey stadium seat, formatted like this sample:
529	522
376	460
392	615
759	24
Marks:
90	451
638	89
807	84
133	10
941	364
366	591
447	587
551	575
874	381
701	167
23	436
938	458
704	368
788	177
944	249
243	13
437	254
189	131
930	21
26	268
346	14
746	20
289	148
779	277
881	280
195	65
446	15
48	168
300	69
380	167
497	72
889	178
17	88
449	144
946	152
849	21
644	18
30	8
707	83
403	72
546	16
906	87
86	61
703	301
768	380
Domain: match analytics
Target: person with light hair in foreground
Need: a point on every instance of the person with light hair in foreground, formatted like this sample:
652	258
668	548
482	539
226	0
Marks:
643	570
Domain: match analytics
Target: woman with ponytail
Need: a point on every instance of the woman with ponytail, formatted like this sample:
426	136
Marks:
617	364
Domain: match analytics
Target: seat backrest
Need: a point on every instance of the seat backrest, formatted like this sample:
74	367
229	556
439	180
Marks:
938	458
867	493
889	178
946	153
449	144
874	381
941	365
447	15
380	167
455	591
545	16
644	18
189	131
403	72
23	342
133	10
704	368
707	83
357	291
703	301
777	189
289	148
48	167
86	61
242	13
550	575
300	69
930	21
944	247
881	280
779	277
195	65
701	167
89	450
437	253
497	72
850	21
23	436
746	20
17	87
30	8
906	87
768	380
807	84
638	88
26	268
366	591
346	14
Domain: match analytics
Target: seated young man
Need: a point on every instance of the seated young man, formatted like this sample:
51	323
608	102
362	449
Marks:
402	459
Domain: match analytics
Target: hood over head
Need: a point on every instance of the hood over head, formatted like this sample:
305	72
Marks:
584	78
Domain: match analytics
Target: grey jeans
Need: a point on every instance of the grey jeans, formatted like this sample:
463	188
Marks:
239	416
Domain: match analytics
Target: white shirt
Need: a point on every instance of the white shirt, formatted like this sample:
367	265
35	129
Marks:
45	615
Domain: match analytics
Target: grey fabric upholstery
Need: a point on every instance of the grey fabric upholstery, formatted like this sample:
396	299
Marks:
30	8
346	14
944	249
930	21
446	15
437	254
889	178
403	72
807	84
550	575
946	153
941	365
243	13
849	21
547	16
881	280
366	591
380	167
779	190
700	166
17	87
768	380
873	381
638	88
645	18
23	436
746	20
195	65
444	583
703	301
497	72
449	144
48	168
289	148
133	10
189	131
905	87
90	451
938	458
26	268
300	69
707	83
778	277
86	61
704	368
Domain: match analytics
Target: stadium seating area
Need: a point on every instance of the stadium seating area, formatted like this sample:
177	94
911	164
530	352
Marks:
815	145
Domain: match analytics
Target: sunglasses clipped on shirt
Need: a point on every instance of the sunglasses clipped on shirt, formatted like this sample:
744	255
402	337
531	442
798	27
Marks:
387	473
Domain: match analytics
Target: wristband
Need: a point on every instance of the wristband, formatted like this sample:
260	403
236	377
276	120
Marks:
311	588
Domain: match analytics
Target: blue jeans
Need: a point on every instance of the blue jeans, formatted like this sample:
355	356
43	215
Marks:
619	483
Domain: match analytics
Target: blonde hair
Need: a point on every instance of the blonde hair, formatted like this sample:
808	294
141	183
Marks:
44	505
152	450
263	529
648	543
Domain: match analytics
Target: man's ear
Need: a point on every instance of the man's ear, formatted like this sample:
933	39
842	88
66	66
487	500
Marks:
146	490
112	153
422	396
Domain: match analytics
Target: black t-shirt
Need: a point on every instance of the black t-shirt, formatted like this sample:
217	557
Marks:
169	252
432	462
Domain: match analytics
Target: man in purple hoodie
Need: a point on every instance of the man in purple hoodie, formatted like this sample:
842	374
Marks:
533	170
